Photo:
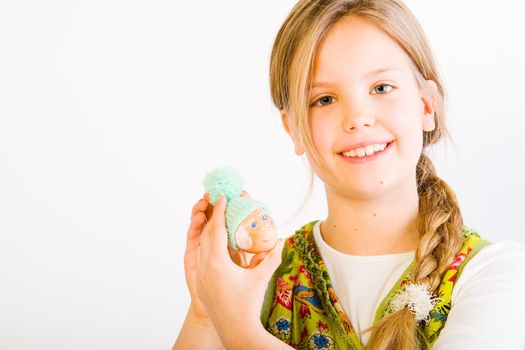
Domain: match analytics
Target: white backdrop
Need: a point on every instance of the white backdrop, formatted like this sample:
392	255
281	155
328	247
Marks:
111	112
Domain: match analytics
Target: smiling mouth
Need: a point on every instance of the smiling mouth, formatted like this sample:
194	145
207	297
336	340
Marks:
366	152
365	156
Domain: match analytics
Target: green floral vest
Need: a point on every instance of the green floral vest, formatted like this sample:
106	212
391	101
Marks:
302	309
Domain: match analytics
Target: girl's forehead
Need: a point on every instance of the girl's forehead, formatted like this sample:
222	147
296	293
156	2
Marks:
357	49
390	70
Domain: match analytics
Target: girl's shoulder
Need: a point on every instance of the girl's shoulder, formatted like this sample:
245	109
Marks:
488	296
509	248
499	262
504	254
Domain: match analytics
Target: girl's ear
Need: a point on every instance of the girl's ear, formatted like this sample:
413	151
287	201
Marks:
429	98
285	118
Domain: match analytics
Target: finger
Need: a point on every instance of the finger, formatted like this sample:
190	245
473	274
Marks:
245	194
194	231
239	257
236	256
216	235
256	259
196	224
200	206
245	258
209	209
219	210
197	219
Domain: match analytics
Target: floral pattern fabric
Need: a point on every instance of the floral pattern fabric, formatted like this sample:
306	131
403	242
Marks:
302	309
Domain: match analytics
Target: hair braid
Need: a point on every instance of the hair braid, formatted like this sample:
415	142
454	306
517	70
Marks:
440	227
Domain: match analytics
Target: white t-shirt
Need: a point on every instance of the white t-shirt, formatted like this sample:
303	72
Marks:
487	304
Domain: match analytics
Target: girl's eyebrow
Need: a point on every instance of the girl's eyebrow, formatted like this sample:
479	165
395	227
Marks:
366	76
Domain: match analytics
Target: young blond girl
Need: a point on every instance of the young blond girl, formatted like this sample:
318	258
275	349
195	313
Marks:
392	266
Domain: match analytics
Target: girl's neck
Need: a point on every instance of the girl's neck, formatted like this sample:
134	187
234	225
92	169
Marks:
387	225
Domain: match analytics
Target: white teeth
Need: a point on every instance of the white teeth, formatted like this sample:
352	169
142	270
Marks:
368	150
379	147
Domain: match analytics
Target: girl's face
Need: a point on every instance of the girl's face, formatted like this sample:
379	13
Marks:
364	93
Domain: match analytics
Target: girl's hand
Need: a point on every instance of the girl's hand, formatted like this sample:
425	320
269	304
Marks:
232	295
198	219
201	213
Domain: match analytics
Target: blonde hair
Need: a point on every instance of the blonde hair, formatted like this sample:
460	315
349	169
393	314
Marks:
440	221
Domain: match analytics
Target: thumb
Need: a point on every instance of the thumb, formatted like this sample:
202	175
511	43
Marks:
217	232
217	218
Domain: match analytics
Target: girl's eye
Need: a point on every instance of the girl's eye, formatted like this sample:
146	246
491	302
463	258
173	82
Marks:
320	99
384	89
382	85
265	217
254	224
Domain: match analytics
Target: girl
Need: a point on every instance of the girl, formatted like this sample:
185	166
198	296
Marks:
392	266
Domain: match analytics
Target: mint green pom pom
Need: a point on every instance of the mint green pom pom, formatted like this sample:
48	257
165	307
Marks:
224	180
228	181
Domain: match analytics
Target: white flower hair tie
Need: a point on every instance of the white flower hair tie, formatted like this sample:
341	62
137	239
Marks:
417	298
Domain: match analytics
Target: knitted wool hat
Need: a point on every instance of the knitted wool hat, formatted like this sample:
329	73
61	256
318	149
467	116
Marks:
228	181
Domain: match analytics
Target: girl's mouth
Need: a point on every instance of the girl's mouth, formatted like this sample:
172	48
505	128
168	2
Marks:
367	158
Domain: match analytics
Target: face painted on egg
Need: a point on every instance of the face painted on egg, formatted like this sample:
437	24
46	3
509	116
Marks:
256	233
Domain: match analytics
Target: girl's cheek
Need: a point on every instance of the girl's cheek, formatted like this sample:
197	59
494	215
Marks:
321	131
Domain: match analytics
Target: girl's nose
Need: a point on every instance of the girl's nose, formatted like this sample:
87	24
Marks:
357	118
